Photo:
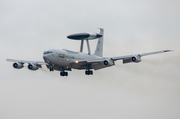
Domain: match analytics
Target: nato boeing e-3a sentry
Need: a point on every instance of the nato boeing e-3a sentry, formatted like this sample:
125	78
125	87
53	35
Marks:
65	60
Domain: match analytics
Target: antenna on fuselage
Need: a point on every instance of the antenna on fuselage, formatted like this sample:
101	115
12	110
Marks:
84	36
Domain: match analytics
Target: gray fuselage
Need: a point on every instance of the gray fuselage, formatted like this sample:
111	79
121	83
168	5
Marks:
63	59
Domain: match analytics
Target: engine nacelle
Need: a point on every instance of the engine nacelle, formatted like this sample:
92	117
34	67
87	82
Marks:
108	62
18	65
33	67
136	58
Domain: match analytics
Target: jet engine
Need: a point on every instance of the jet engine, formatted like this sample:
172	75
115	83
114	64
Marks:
32	67
18	65
108	62
136	58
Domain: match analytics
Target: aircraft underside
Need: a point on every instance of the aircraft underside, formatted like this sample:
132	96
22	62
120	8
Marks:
88	68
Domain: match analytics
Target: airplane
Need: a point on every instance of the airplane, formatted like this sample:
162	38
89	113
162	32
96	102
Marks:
65	60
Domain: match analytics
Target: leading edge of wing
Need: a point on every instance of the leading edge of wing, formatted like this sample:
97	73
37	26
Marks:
157	52
142	54
24	61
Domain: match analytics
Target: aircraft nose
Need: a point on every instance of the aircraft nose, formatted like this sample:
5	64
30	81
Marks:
45	55
45	58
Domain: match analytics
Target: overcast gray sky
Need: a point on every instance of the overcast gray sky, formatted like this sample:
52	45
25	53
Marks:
147	90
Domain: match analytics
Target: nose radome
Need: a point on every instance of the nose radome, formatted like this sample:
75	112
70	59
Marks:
44	57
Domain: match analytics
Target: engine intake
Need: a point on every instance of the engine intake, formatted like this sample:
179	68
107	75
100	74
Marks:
18	65
32	67
136	58
108	62
105	62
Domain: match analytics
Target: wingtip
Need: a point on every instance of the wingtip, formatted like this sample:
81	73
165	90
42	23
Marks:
168	50
7	59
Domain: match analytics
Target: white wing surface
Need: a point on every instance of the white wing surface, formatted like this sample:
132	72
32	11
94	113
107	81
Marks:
137	57
29	62
105	62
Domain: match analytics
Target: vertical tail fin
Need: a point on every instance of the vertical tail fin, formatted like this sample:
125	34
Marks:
99	47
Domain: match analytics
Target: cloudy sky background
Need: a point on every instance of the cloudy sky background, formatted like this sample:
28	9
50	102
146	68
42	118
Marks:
149	89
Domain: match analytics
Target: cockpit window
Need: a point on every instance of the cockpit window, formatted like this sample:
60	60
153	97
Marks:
47	52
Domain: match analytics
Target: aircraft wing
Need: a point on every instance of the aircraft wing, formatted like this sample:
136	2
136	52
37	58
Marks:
99	61
105	62
29	62
138	55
